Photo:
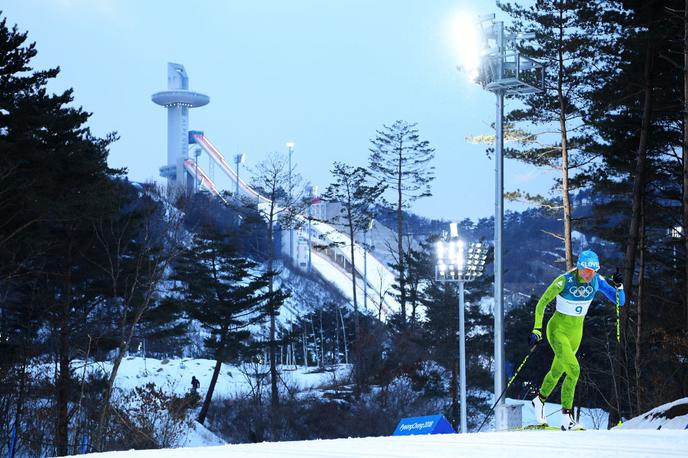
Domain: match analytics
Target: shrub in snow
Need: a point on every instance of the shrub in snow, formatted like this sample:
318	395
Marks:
148	417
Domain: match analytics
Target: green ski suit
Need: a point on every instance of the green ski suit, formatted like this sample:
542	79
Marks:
565	329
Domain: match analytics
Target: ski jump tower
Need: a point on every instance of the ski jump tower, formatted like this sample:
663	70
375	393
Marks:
178	99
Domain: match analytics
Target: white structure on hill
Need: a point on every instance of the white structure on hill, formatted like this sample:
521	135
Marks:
178	99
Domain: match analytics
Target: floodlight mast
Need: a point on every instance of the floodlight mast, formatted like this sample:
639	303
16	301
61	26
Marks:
456	264
238	160
504	72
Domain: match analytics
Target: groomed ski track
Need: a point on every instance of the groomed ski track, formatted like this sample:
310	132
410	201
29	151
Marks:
526	444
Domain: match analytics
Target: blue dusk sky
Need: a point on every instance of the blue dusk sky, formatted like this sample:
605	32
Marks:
324	74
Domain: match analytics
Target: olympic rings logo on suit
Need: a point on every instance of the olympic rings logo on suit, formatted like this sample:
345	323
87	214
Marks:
581	291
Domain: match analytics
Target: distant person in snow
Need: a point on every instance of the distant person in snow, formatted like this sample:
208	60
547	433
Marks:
195	384
573	291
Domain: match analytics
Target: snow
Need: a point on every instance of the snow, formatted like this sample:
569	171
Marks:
525	444
673	415
342	280
200	436
380	278
174	375
638	437
589	418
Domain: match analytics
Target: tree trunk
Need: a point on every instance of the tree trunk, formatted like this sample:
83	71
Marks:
305	349
639	316
400	240
61	430
566	199
63	378
685	159
638	189
21	389
336	336
346	349
127	335
454	388
209	395
315	344
274	396
353	271
322	341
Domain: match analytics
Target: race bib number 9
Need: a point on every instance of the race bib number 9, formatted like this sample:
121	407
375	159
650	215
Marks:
575	308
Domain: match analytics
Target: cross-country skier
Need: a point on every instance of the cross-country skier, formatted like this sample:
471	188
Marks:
574	291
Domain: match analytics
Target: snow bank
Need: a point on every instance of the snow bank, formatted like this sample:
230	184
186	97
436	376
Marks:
527	444
200	436
673	415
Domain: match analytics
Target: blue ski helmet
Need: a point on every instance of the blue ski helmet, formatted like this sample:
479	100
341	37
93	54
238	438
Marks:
588	260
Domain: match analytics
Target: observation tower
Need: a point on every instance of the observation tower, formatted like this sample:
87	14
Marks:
178	99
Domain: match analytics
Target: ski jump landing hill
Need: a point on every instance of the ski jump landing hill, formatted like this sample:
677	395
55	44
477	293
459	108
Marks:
331	247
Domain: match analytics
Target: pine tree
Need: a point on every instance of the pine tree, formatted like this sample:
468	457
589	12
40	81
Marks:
400	161
54	172
566	49
352	191
221	289
635	111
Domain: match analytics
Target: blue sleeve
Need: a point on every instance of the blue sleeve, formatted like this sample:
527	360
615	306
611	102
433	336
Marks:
610	292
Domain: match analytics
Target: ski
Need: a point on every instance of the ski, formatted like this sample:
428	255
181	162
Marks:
534	428
540	428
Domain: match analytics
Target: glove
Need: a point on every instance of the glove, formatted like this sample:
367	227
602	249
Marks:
616	279
535	337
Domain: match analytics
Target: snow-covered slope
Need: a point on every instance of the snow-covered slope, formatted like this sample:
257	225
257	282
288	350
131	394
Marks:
673	415
200	436
174	375
581	444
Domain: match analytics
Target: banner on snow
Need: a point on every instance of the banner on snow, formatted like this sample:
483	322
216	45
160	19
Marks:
432	424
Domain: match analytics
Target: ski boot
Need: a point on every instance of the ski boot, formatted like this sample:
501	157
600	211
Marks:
539	407
567	421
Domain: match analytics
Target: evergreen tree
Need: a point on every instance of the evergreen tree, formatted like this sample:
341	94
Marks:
54	173
222	290
566	50
352	191
635	111
400	161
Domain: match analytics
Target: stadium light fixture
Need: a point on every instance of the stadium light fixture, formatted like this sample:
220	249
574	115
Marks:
504	70
459	262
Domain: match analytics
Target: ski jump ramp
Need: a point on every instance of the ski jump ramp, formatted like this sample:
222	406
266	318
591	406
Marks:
380	278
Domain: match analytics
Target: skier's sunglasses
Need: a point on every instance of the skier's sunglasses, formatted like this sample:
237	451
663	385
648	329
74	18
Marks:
589	270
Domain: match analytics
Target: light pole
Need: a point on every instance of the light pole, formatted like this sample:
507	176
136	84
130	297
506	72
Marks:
312	199
365	263
238	160
457	264
197	152
290	147
502	69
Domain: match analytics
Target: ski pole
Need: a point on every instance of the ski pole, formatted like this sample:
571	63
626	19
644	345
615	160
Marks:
618	318
618	311
511	380
13	437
